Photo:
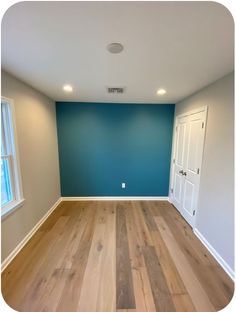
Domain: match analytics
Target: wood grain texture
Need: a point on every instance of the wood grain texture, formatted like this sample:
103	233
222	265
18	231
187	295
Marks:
160	290
113	256
183	303
142	288
194	288
107	290
172	276
124	283
73	285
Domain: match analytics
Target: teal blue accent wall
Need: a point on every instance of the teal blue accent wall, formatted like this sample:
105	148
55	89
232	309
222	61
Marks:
102	145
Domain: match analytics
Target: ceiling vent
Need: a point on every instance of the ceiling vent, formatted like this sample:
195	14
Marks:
115	90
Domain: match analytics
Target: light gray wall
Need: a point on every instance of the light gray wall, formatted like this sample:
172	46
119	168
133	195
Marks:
215	213
38	152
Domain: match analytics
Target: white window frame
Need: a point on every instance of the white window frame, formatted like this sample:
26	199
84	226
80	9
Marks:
14	162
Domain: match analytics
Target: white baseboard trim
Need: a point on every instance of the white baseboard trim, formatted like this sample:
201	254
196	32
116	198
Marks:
88	198
28	236
215	254
170	199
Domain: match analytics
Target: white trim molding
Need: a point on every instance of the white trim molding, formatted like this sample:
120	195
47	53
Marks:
11	207
123	198
11	154
215	254
25	240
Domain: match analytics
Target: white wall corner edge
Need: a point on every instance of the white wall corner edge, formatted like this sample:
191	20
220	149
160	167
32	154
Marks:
88	198
215	254
25	240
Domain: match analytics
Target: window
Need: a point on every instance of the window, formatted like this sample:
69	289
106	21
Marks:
11	190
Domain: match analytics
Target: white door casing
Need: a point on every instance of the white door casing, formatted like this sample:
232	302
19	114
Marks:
187	159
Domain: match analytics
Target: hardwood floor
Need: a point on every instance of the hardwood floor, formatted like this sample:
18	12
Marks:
109	256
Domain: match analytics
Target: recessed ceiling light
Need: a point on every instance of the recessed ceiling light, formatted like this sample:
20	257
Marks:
115	47
161	91
67	88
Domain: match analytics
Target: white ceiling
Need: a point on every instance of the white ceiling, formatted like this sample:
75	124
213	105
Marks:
180	46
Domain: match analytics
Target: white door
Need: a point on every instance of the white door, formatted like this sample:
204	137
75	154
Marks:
188	151
178	181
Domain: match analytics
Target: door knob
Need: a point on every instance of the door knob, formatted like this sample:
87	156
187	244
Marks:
181	171
184	173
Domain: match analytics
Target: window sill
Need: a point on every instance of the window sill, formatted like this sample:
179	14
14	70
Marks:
11	207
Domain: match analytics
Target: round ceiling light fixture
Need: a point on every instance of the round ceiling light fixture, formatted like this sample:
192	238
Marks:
67	88
161	91
115	47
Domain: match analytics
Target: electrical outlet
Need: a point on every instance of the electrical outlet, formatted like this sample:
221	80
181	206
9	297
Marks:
123	185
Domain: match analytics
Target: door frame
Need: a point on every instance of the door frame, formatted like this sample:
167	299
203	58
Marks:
188	113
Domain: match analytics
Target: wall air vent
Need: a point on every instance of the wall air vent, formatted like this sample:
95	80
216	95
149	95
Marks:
115	90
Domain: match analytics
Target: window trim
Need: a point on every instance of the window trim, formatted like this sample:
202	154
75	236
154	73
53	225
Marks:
18	199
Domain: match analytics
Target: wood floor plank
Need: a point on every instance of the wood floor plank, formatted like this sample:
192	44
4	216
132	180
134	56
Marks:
145	206
141	226
189	251
147	290
225	282
106	301
142	290
73	283
90	286
183	303
157	208
218	292
124	284
193	286
51	294
134	240
114	256
185	232
138	290
160	290
172	276
76	226
12	275
62	210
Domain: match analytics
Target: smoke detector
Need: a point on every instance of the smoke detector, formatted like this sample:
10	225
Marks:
115	47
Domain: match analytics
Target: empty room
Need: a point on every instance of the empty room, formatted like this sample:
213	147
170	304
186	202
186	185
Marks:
117	156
